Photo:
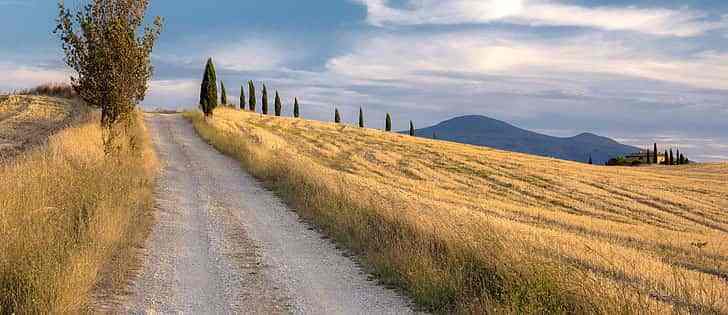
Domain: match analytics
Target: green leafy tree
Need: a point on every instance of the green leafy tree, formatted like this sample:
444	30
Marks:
264	101
109	51
223	97
361	118
296	109
412	129
242	97
278	105
251	96
208	89
388	123
337	116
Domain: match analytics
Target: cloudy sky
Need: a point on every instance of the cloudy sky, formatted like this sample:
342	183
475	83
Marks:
638	71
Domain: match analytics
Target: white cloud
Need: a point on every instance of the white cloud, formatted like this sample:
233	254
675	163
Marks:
393	57
251	54
655	21
21	76
172	93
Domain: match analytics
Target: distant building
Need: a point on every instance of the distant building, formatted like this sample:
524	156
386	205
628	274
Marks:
645	156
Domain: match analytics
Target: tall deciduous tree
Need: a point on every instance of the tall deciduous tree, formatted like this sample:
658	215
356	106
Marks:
278	105
337	116
242	97
251	96
361	118
264	101
388	123
296	109
208	89
223	97
104	45
412	129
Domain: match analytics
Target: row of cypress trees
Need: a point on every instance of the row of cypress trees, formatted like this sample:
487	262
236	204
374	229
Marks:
387	122
208	95
208	100
670	158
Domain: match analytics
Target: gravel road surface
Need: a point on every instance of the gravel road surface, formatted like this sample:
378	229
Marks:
225	245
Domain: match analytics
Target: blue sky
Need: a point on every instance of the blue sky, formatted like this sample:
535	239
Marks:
637	71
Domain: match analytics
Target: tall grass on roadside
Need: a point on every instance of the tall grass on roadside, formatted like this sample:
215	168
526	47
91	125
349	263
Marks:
443	266
66	210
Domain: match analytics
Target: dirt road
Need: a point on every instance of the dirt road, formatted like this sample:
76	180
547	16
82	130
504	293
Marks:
223	244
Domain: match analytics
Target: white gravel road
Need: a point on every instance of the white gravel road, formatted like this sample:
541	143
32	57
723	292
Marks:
225	245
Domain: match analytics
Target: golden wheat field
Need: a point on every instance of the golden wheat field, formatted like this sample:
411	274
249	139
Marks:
70	214
28	120
473	229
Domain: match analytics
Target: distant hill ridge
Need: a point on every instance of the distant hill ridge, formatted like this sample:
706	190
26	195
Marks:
486	131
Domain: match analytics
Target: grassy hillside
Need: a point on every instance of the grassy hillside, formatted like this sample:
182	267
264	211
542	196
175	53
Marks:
70	215
472	229
29	120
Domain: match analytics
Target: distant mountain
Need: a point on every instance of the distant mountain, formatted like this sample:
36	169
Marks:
484	131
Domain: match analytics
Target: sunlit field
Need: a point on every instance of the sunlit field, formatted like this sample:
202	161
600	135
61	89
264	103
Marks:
472	229
70	215
29	120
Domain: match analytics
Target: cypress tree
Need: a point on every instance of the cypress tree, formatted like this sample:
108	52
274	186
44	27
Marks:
434	135
242	97
591	162
337	117
677	157
412	129
361	118
672	158
649	157
667	160
208	89
655	154
296	110
388	123
223	97
278	105
251	96
264	101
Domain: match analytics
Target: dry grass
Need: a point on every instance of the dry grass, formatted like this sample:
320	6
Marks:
66	210
60	90
26	121
472	229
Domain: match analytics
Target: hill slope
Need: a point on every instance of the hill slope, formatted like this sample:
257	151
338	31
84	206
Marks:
29	120
484	131
474	228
